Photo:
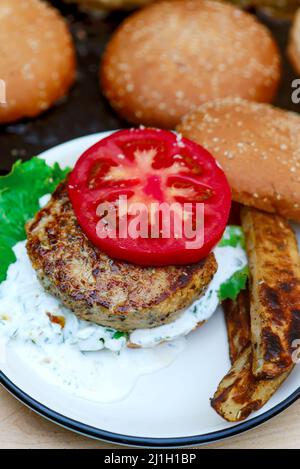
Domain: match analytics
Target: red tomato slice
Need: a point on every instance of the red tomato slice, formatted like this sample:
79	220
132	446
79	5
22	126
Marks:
150	167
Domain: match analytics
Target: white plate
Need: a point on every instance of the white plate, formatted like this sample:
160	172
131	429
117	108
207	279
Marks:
168	408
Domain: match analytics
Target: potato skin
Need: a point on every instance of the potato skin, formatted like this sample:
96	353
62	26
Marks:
240	393
237	317
275	291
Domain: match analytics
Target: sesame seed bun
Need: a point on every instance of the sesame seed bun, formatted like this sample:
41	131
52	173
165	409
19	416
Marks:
37	60
294	43
170	57
108	4
258	147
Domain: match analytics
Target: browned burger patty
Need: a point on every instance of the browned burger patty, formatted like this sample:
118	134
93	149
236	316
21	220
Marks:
105	291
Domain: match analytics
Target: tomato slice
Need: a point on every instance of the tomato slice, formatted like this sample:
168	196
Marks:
150	168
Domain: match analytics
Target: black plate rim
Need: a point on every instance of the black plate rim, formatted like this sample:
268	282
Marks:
146	442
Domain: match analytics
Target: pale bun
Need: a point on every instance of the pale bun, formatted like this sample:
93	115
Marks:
170	57
258	147
109	4
37	58
294	43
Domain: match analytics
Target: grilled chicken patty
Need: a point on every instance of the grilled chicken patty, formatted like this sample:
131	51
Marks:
102	290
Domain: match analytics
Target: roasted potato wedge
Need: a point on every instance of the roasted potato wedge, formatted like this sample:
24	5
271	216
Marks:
237	317
275	291
240	393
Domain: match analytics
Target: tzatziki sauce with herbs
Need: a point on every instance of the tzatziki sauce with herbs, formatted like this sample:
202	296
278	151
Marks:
86	359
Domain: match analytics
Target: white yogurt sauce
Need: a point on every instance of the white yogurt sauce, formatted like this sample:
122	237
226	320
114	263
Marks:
86	359
25	308
229	261
98	376
58	354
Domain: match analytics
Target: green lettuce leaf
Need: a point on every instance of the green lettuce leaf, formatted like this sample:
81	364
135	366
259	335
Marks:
20	191
7	257
119	334
233	236
237	282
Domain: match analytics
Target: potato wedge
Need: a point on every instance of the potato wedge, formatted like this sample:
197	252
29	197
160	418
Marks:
275	291
237	317
240	393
